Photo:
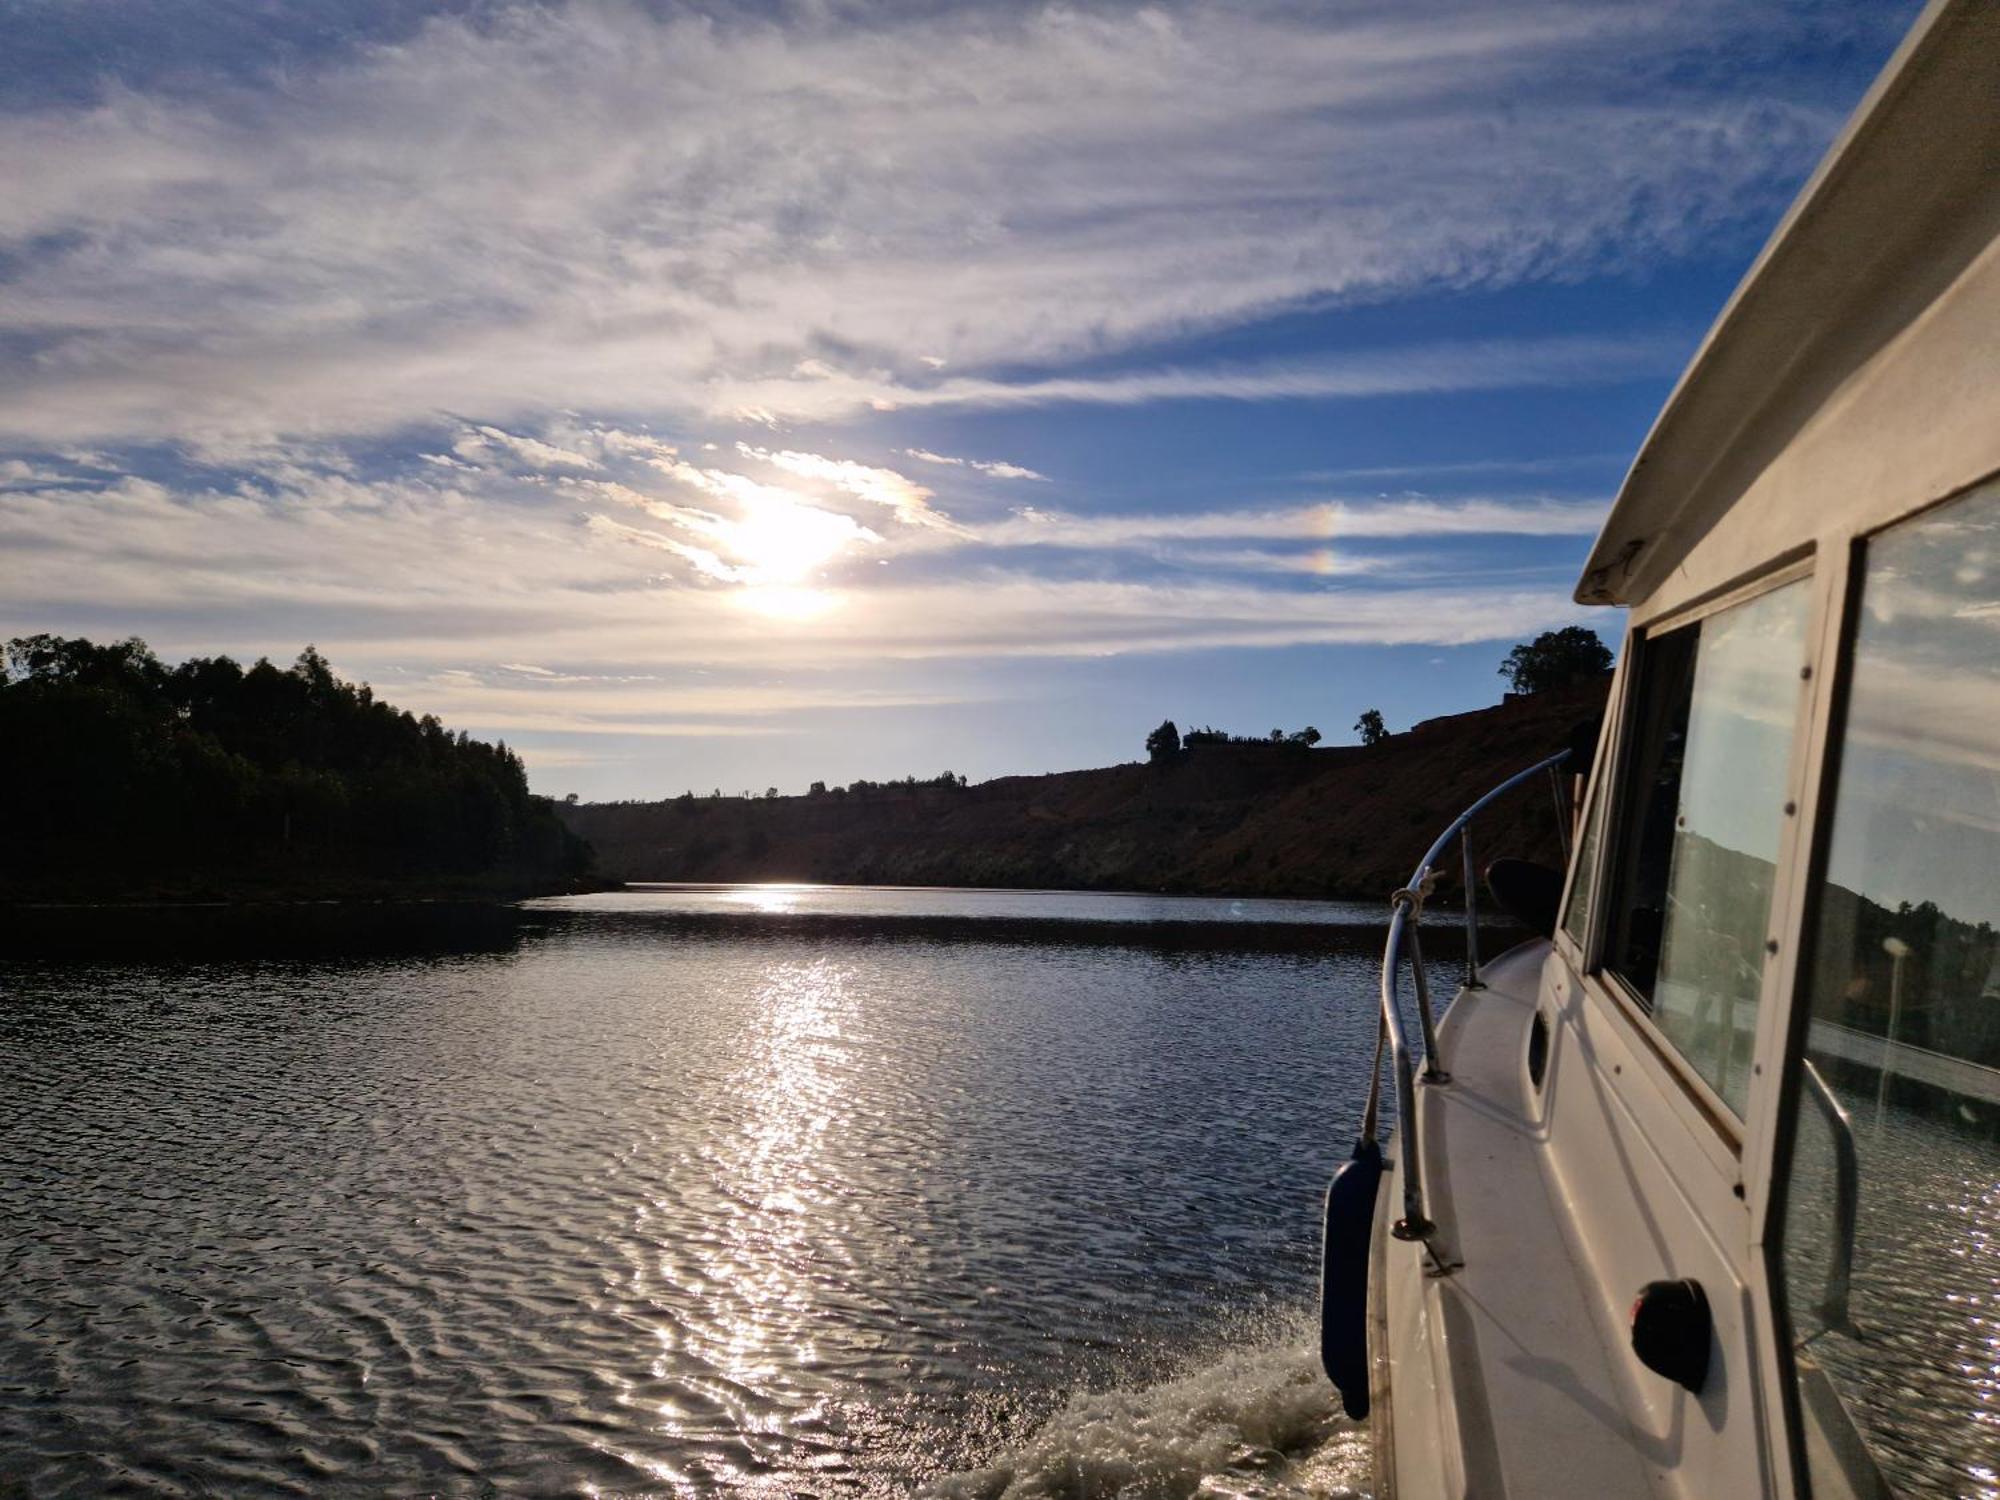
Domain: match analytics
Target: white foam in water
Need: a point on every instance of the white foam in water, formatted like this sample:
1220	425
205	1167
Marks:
1260	1424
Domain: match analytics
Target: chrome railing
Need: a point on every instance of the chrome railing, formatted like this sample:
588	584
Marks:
1406	910
1833	1305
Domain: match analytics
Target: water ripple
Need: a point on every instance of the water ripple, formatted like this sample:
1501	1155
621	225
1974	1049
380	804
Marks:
642	1206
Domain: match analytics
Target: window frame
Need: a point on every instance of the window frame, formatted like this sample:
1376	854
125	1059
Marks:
1580	951
1728	1131
1782	1037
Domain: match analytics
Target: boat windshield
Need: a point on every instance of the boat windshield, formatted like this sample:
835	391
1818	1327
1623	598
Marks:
1897	1360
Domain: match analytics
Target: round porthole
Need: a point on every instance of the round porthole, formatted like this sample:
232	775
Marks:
1538	1050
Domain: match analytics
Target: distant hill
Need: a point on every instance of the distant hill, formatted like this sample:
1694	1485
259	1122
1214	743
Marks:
1240	819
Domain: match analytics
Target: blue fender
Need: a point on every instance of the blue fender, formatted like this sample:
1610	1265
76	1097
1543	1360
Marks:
1343	1275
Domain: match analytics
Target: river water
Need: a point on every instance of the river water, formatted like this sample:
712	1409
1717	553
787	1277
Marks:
751	1191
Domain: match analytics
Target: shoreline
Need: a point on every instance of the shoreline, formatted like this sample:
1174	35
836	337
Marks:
226	898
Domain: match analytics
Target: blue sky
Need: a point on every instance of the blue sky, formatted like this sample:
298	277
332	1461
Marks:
743	396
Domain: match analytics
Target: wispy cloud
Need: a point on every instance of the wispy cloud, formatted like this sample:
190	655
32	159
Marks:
476	442
18	473
909	500
1327	520
1394	371
1316	562
418	568
647	705
998	468
1553	464
593	208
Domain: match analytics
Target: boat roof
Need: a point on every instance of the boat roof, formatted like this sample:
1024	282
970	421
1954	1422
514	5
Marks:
1902	201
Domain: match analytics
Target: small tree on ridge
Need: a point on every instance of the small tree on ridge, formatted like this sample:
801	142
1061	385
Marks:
1555	659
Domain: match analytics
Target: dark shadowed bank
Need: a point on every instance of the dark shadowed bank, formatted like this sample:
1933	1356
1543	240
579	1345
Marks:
130	780
1227	819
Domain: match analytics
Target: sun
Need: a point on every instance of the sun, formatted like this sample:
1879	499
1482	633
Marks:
778	543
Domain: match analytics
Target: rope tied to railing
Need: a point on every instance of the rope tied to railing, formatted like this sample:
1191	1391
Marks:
1414	896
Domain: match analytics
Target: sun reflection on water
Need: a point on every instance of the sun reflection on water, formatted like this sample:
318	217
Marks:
776	897
741	1300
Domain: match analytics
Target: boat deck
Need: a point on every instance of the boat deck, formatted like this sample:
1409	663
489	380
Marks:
1519	1379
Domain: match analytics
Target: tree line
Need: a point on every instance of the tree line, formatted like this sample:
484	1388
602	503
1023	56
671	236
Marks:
1554	659
127	774
948	781
1167	740
944	781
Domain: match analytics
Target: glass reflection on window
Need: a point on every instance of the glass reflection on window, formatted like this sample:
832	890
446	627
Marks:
1896	1324
1726	832
1576	918
1718	704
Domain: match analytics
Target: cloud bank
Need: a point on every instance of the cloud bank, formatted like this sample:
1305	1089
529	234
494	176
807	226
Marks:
528	210
514	350
436	563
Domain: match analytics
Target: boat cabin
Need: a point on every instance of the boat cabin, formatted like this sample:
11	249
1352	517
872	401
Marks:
1699	1195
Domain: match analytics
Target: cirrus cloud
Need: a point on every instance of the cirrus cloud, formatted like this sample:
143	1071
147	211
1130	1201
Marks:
531	210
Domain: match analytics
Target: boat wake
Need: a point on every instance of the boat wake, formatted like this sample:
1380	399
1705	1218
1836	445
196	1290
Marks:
1257	1424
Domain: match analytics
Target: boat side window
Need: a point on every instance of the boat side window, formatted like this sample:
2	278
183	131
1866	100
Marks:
1576	915
1891	1214
1697	843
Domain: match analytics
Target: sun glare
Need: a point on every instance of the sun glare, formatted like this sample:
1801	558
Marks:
784	602
778	543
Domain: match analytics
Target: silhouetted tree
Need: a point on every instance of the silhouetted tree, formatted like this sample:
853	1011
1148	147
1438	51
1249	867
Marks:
1163	742
126	771
1209	735
1370	727
1555	659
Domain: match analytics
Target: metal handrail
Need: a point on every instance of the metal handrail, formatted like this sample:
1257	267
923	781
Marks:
1833	1306
1405	916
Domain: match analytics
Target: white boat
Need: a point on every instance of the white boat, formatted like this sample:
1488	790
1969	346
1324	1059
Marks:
1699	1195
